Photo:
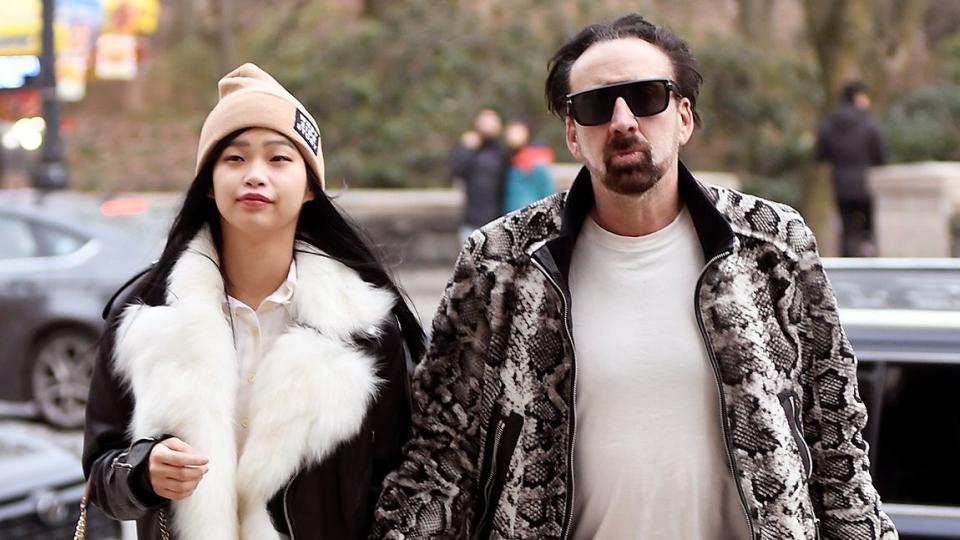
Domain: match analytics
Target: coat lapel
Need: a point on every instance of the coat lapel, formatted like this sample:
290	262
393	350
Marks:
311	394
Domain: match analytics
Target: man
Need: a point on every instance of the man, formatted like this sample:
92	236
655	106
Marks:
851	141
643	357
480	160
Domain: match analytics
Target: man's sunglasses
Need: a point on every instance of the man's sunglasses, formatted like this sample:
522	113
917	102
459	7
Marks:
594	107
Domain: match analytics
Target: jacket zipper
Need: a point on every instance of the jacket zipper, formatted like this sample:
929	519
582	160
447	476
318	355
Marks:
565	533
803	447
801	442
286	509
734	470
488	487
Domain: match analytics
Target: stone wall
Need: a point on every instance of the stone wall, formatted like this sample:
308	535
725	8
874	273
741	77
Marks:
914	208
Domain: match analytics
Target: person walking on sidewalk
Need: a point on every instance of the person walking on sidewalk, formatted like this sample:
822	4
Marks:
480	161
852	141
644	356
252	384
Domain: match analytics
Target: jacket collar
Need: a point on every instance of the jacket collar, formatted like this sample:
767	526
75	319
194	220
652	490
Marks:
714	231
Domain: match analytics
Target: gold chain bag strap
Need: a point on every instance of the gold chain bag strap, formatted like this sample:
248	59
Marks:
81	532
164	527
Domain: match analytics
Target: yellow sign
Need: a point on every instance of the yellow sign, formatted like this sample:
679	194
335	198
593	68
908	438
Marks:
20	28
131	16
21	22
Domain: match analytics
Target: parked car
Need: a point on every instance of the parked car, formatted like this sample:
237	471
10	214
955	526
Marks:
903	319
40	489
57	271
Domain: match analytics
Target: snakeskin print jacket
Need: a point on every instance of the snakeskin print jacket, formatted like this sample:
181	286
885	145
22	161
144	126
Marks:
492	452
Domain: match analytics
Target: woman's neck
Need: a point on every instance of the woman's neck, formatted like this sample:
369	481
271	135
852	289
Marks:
255	267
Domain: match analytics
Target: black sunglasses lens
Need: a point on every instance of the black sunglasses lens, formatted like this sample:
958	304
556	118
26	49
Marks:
595	107
646	99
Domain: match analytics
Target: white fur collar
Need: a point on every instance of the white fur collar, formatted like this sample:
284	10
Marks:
311	393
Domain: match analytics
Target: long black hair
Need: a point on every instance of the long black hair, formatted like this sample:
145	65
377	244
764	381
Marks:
321	224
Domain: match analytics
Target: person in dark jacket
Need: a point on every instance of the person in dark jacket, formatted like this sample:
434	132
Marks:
852	141
481	161
252	384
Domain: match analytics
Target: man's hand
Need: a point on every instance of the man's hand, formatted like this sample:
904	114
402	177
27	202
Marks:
174	470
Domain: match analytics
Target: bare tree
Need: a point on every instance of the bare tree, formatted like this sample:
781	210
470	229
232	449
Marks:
755	19
374	9
225	10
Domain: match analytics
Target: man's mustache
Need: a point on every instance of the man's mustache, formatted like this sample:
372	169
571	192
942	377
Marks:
627	144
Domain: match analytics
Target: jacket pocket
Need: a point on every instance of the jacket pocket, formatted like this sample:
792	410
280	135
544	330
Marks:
503	432
791	408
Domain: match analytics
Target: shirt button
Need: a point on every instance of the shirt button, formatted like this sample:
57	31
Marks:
244	424
251	377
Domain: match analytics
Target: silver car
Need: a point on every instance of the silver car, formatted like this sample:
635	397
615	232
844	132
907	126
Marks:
40	489
57	270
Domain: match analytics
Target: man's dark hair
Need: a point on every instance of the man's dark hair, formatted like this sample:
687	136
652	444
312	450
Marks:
852	88
687	77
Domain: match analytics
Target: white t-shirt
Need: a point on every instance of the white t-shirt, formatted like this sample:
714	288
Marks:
253	333
649	457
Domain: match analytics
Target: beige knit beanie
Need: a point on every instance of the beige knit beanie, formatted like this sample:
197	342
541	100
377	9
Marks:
250	97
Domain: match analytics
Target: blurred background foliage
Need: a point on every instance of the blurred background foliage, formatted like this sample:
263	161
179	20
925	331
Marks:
394	83
923	121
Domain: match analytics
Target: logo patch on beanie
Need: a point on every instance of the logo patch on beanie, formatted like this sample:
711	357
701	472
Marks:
308	131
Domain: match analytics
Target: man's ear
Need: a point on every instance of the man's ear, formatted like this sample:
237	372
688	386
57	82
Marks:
685	110
570	132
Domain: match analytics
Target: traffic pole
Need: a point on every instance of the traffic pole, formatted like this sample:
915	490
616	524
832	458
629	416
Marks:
51	172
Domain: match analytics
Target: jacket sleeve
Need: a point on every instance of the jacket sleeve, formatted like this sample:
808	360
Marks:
461	161
432	493
115	466
390	420
841	487
878	145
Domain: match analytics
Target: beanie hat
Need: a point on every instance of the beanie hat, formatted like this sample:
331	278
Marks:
250	97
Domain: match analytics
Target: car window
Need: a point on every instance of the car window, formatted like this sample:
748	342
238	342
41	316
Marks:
53	242
16	240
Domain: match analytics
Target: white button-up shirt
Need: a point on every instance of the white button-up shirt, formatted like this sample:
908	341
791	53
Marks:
254	331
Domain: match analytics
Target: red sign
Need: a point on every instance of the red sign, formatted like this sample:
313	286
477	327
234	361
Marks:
21	103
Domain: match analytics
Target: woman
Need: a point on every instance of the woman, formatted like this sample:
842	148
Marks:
528	179
254	383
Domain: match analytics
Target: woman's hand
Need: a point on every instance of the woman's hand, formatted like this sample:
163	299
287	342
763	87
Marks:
174	470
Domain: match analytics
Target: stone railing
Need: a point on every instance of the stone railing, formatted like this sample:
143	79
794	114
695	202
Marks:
914	207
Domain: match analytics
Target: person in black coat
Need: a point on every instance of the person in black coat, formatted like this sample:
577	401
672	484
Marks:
252	384
481	161
852	141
